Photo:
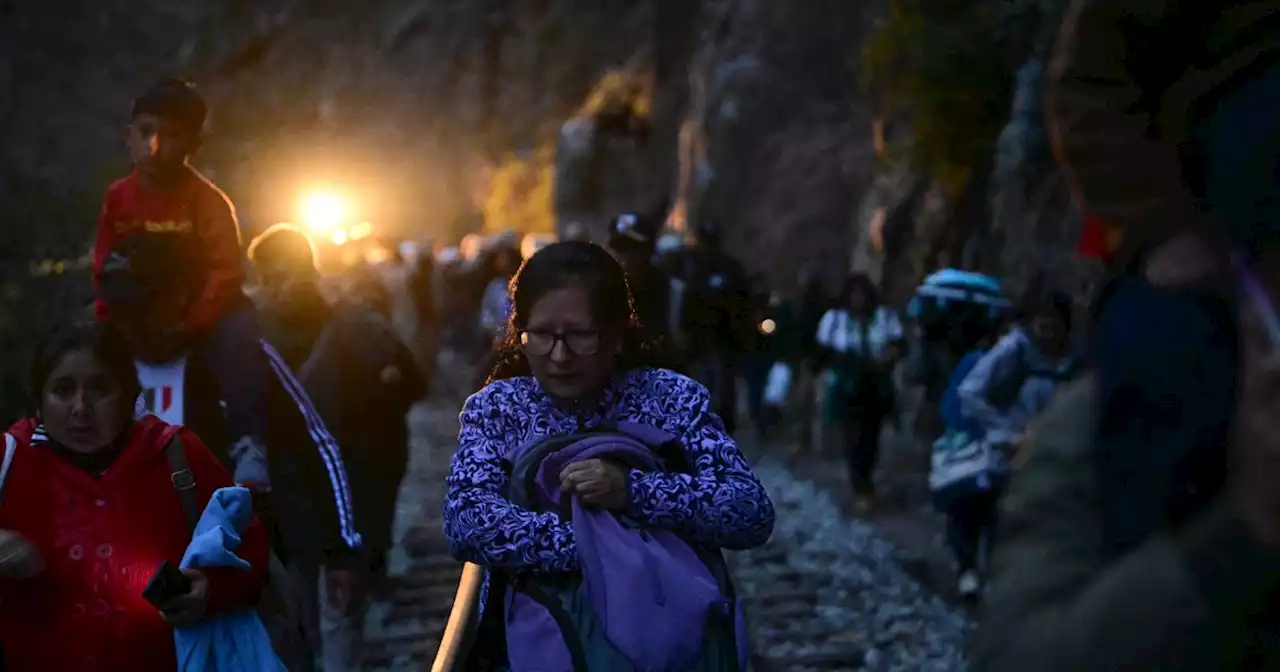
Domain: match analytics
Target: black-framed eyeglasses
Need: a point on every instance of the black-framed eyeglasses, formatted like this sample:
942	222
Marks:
540	343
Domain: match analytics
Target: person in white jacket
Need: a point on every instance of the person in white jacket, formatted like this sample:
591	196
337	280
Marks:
861	340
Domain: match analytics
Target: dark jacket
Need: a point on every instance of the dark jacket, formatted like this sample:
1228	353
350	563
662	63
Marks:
716	313
341	370
1129	82
652	295
310	499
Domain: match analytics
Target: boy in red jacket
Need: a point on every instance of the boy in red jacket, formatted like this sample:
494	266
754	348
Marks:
165	196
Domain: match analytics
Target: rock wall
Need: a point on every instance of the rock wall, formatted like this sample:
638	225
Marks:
776	144
1015	220
439	115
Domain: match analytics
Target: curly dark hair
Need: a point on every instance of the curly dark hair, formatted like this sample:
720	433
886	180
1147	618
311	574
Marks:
108	345
591	267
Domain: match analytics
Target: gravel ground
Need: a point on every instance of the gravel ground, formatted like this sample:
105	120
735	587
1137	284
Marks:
829	593
404	629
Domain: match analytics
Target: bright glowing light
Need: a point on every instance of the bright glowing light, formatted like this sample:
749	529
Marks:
323	211
470	246
361	231
339	237
768	327
377	255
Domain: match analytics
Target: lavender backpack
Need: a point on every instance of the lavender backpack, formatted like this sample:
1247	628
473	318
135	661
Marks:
617	612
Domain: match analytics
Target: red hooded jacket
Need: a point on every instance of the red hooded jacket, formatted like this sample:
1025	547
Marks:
102	539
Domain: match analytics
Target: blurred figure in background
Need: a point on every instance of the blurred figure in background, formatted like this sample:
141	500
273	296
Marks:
455	327
364	286
763	350
813	303
500	263
423	285
577	231
1007	387
361	380
716	318
861	340
633	240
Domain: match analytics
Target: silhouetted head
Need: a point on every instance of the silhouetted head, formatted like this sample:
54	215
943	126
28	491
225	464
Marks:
860	294
709	234
284	261
1048	320
633	239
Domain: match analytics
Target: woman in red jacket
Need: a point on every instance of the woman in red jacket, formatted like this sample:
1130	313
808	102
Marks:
89	512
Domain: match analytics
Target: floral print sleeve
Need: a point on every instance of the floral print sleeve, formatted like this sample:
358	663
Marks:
479	523
722	504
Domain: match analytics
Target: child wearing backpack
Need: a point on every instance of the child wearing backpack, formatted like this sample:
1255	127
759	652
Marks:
165	196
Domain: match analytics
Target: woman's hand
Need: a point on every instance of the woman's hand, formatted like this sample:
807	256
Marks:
187	610
19	559
597	484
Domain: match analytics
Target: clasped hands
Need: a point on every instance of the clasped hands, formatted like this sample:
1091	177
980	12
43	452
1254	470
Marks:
598	484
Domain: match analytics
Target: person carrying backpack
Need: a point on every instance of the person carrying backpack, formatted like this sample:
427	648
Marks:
992	398
92	501
596	490
165	197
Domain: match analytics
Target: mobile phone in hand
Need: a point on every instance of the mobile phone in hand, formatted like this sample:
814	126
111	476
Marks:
167	583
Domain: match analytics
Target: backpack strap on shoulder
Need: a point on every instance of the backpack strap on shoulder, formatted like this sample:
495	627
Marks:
10	449
184	481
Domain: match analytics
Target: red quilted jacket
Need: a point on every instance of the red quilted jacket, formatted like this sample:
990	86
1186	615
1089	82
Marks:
102	540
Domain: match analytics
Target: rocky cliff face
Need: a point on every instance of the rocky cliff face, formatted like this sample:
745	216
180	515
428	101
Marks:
776	144
748	112
438	114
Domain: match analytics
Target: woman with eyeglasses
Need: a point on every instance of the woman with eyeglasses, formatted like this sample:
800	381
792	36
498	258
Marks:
573	362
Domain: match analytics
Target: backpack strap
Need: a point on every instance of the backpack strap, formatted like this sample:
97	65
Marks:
10	449
184	481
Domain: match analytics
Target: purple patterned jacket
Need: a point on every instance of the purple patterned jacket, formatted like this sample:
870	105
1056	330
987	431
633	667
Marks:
721	505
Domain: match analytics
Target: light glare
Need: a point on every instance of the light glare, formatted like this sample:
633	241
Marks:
323	211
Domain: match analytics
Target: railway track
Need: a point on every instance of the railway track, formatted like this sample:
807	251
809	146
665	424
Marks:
405	625
825	593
